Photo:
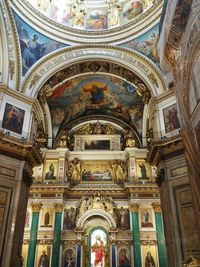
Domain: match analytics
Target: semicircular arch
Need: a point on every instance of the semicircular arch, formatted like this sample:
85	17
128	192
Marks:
132	60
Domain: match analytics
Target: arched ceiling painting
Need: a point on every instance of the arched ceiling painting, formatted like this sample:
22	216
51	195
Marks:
96	95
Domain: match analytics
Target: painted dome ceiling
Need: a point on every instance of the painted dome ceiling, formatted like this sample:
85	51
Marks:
93	15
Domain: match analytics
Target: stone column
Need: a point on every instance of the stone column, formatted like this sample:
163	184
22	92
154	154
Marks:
57	234
134	208
79	246
113	247
36	207
162	255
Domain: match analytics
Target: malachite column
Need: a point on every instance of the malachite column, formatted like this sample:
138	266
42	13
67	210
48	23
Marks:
113	256
36	207
57	235
162	254
134	208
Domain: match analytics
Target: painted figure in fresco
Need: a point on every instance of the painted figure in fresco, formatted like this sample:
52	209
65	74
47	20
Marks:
43	261
135	9
33	51
143	171
149	260
114	10
50	174
46	218
124	261
97	93
98	248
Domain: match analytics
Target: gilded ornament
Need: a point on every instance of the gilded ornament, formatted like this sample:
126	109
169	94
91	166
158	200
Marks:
58	207
36	77
156	207
134	207
36	207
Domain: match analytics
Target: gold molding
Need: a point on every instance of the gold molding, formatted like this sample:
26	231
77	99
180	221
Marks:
156	206
134	207
58	207
36	207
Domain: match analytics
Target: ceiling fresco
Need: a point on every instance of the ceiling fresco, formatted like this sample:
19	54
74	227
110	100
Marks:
92	15
146	44
95	95
33	44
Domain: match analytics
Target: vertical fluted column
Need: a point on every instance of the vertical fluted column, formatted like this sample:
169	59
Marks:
162	255
134	208
57	234
36	207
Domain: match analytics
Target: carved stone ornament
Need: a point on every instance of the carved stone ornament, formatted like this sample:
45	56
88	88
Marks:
156	207
58	207
134	207
36	207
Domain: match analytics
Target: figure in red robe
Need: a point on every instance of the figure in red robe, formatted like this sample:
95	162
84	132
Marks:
99	251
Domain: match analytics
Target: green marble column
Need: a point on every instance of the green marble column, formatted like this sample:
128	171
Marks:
162	254
136	235
57	235
33	234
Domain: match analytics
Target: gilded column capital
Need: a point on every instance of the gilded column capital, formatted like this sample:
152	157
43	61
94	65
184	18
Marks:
58	207
156	207
134	207
36	207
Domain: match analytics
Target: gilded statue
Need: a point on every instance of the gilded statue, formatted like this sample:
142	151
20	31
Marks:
75	171
64	140
119	171
86	129
129	138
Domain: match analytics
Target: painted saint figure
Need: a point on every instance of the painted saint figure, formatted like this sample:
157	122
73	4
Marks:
124	261
97	93
50	174
43	261
69	261
98	248
46	218
149	260
146	216
143	171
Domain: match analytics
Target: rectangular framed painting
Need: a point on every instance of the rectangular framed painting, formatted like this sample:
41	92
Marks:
170	116
149	255
43	255
46	219
50	171
13	118
97	144
143	170
96	171
146	218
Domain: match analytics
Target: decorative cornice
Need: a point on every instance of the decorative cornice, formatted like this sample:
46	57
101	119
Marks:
156	206
134	207
159	149
20	149
58	207
36	207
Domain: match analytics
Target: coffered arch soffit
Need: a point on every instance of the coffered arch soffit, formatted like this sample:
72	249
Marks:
131	61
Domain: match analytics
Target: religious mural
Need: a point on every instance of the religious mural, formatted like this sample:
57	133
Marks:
81	15
96	171
149	256
99	95
143	170
146	218
171	121
146	43
13	118
46	219
98	241
123	218
50	171
97	144
33	44
69	220
43	255
124	258
69	258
